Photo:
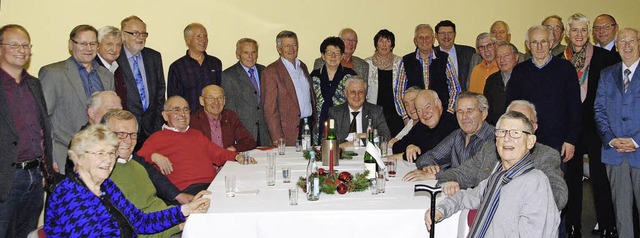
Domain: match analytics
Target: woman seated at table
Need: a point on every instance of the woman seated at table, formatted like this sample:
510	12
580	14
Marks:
87	203
329	81
516	200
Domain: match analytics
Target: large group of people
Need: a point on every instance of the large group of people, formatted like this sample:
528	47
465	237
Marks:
503	131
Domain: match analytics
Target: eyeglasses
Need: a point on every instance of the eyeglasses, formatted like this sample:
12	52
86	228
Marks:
604	27
91	45
515	134
329	53
179	110
211	99
138	34
425	108
123	135
111	45
15	46
103	154
486	47
623	42
539	43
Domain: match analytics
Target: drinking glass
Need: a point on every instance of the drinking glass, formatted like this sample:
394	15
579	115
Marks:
230	185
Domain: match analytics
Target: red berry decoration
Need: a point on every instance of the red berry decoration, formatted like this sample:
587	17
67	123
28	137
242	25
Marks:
345	176
321	171
342	188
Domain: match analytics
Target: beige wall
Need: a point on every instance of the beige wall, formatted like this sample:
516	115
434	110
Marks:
50	21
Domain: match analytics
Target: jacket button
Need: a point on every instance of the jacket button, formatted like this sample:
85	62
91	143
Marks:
15	143
624	119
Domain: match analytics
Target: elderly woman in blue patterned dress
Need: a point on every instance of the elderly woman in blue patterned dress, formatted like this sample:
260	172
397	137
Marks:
329	81
516	199
88	204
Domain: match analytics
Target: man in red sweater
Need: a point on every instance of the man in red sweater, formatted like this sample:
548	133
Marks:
183	154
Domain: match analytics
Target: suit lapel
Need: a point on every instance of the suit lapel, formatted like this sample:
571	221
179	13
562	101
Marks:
288	84
365	117
6	114
149	71
130	83
635	80
74	79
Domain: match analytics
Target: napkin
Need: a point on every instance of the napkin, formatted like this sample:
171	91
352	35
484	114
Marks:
374	151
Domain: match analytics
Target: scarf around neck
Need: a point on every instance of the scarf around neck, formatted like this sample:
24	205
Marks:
491	197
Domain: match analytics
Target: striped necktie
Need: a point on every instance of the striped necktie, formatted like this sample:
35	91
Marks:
137	75
627	79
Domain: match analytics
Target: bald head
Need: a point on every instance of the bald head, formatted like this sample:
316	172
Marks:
100	103
428	107
500	30
212	100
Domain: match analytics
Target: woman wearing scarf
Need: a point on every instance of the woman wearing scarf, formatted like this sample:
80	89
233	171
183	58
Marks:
516	200
329	81
588	61
383	72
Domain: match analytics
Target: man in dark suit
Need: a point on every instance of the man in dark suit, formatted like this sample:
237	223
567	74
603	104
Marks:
495	89
460	55
68	84
288	93
25	136
352	118
605	29
109	49
143	77
189	74
616	112
350	39
242	90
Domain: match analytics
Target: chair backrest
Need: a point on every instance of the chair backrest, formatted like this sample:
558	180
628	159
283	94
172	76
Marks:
465	221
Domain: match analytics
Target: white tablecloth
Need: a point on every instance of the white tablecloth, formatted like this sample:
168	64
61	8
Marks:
395	213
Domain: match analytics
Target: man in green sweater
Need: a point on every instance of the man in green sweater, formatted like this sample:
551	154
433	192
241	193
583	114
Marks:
130	176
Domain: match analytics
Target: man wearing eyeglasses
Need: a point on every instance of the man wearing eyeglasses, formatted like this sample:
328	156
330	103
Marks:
550	83
25	136
143	77
68	84
605	29
486	45
479	166
500	30
184	154
459	55
219	125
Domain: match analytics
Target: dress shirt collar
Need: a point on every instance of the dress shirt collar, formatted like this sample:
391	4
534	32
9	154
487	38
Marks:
632	68
505	77
359	121
94	65
288	63
167	127
124	161
545	63
255	69
608	46
432	55
111	67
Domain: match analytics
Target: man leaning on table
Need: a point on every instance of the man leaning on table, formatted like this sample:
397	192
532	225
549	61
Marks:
352	118
461	144
184	154
479	166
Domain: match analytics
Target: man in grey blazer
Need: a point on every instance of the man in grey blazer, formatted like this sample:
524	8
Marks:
350	39
143	78
479	166
25	136
68	84
460	55
343	114
241	82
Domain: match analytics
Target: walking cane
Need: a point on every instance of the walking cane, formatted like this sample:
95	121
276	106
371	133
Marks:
433	191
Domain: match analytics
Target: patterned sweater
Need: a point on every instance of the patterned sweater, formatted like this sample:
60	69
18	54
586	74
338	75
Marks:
74	211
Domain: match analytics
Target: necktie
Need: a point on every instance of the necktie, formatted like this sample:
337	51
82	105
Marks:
139	83
352	126
254	81
627	80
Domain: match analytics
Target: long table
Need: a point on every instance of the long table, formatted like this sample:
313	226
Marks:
396	213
